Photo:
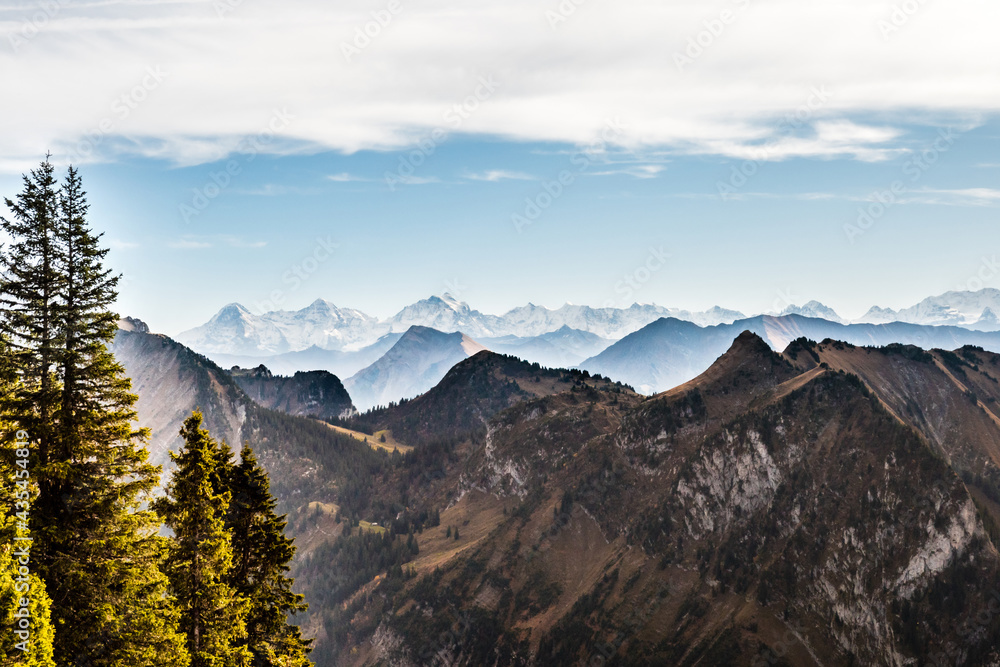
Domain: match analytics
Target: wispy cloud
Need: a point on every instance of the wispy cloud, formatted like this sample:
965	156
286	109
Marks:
974	197
494	175
203	242
275	190
728	102
746	196
237	242
188	244
640	171
417	180
118	244
345	177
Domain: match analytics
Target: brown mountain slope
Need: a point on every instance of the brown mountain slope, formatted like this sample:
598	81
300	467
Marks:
772	507
951	398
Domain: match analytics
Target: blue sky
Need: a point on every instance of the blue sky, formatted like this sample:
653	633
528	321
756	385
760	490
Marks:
238	152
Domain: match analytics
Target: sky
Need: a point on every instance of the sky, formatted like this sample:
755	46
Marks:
744	153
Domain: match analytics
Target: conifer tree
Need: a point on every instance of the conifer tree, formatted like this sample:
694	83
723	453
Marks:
200	556
96	545
261	553
29	287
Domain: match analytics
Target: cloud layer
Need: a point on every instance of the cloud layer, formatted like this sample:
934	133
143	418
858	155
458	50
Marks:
192	80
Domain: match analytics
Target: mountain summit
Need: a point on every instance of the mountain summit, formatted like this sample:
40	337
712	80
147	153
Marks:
417	362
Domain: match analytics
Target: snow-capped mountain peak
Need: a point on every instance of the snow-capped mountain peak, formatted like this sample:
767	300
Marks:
814	309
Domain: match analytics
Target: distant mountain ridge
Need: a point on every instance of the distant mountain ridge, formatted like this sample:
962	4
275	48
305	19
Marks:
340	338
417	362
234	330
963	309
669	352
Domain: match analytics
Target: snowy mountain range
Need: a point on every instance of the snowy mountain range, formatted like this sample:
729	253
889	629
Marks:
344	340
235	330
973	310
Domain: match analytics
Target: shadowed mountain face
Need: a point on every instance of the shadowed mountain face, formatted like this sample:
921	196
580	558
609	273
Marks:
305	459
171	381
777	509
669	352
305	394
417	362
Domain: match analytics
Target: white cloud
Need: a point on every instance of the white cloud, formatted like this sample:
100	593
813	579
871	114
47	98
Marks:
77	83
642	171
203	242
494	175
276	190
188	244
346	178
955	197
416	180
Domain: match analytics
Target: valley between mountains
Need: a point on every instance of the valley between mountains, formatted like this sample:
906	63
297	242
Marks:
783	490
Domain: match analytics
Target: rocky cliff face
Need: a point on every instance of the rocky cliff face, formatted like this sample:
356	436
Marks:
172	381
305	394
776	510
306	460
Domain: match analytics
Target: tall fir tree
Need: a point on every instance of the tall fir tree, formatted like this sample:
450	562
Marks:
97	545
261	554
200	557
29	287
107	476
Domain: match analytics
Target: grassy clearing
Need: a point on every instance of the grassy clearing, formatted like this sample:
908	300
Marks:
380	440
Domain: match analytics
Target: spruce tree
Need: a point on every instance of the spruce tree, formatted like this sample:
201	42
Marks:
96	545
261	554
200	556
29	286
